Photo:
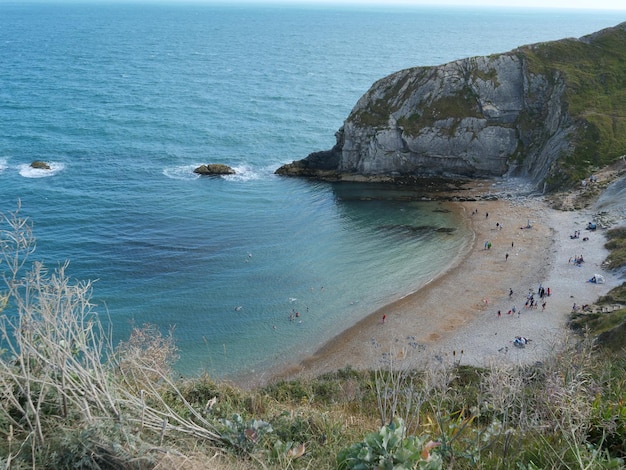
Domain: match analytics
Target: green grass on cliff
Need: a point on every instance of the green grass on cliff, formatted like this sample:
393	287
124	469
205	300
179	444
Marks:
455	107
616	244
595	76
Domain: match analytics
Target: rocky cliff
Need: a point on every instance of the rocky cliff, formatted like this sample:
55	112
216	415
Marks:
551	112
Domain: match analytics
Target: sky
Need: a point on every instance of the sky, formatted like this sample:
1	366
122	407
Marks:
584	4
559	4
555	4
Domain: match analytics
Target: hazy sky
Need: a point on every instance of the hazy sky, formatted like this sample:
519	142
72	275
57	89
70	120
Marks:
584	4
557	4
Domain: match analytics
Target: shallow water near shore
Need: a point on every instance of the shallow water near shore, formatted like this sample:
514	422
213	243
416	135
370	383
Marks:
124	102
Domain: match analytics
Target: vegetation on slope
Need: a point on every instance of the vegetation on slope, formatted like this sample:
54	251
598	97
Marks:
616	244
70	399
608	322
595	94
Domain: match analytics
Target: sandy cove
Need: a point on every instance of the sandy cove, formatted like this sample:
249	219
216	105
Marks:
456	315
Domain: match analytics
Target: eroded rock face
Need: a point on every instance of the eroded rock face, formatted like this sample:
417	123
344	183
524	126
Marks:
478	117
214	169
500	115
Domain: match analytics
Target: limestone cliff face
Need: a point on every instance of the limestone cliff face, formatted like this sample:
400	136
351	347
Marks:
461	119
476	117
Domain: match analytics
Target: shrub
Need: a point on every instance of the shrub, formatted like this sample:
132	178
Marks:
390	448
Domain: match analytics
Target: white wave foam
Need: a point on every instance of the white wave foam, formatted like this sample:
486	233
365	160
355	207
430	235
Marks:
242	173
28	171
4	163
184	172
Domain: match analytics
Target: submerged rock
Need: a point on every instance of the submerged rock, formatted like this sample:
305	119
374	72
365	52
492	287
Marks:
214	169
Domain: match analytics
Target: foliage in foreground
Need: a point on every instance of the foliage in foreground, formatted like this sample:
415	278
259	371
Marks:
70	399
390	448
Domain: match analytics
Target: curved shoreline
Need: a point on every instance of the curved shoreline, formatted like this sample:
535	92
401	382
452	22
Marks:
335	346
455	315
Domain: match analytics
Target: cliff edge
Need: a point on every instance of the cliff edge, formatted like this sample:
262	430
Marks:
550	112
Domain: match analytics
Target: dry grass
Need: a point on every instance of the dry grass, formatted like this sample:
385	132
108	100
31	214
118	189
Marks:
61	378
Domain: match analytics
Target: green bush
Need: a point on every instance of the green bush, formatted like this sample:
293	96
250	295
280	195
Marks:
390	448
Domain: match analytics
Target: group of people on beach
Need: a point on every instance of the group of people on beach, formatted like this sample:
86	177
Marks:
531	302
577	260
520	341
576	235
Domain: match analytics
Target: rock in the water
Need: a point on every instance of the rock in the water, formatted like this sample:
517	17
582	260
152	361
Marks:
213	169
39	165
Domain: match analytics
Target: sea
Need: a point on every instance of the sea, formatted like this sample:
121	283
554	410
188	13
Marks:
249	271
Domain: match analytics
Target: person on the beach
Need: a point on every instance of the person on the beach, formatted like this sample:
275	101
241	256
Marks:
510	292
384	317
506	257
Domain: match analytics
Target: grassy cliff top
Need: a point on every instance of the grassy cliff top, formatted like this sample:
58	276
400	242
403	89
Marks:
594	70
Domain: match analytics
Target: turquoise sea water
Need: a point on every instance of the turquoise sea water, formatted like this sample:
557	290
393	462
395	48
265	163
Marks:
125	100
